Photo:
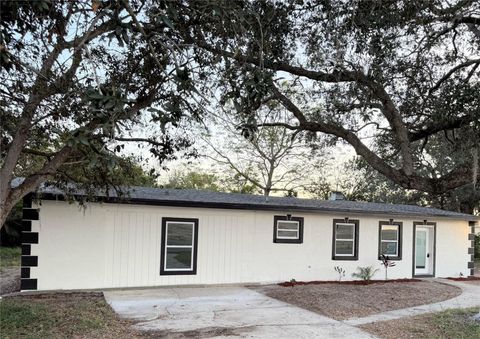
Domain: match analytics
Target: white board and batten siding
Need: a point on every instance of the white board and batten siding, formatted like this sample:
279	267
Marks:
118	245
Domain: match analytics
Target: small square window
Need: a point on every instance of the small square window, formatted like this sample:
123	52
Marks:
287	230
390	240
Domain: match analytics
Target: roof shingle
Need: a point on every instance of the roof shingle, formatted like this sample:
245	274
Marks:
199	198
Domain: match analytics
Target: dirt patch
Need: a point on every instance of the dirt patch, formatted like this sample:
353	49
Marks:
447	324
343	301
207	332
62	315
9	280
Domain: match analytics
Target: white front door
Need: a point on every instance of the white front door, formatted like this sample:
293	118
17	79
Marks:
424	250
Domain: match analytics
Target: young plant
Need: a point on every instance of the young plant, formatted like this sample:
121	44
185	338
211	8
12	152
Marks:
341	272
386	262
365	273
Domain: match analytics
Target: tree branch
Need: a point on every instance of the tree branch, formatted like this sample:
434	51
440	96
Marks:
441	126
37	152
389	109
374	160
450	72
142	31
33	181
150	141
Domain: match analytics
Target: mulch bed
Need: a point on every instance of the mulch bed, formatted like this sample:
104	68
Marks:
351	282
356	299
471	278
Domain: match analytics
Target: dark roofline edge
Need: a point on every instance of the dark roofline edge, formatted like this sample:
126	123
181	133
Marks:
233	206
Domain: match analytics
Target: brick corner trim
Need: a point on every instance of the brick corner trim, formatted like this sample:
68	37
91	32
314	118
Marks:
28	238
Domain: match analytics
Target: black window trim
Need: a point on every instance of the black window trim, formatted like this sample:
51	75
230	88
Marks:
400	238
356	222
193	271
277	218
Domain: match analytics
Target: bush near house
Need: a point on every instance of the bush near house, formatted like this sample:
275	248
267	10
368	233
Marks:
365	273
9	257
10	231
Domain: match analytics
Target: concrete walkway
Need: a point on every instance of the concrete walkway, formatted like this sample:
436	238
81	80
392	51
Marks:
224	312
470	297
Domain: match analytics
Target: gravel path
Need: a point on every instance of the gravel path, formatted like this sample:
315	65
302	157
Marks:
9	280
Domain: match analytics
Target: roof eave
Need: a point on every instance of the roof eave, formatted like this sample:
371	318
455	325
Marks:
258	207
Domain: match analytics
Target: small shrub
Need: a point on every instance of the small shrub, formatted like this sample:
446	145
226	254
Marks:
341	272
365	273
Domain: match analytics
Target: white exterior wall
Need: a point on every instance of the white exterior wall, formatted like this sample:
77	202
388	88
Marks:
118	245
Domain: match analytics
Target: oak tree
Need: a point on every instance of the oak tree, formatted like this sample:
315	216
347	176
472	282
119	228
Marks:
389	78
79	82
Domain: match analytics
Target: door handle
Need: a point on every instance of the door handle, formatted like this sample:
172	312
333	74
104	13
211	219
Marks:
428	255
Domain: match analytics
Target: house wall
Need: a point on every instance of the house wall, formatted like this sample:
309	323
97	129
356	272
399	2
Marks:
118	245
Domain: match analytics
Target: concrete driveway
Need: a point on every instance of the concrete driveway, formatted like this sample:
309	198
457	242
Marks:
223	312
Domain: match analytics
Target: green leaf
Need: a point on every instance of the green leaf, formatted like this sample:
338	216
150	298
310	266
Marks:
95	96
110	104
44	4
167	21
83	140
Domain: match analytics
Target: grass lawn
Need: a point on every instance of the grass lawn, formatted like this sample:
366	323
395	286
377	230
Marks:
9	257
455	323
62	315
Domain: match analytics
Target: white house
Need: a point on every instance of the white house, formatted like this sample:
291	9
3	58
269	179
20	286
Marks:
160	237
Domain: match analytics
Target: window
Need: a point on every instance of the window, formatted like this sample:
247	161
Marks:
390	239
287	229
179	246
345	239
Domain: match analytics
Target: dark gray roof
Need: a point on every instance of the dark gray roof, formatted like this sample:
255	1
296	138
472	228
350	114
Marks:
199	198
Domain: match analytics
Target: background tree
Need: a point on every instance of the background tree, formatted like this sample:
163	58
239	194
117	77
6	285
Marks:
272	160
359	182
227	181
402	73
376	187
193	179
79	82
235	183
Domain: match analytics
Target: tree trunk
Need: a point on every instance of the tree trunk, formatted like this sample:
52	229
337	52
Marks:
9	196
4	212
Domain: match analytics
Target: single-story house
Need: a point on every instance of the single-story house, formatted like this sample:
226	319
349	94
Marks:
160	237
